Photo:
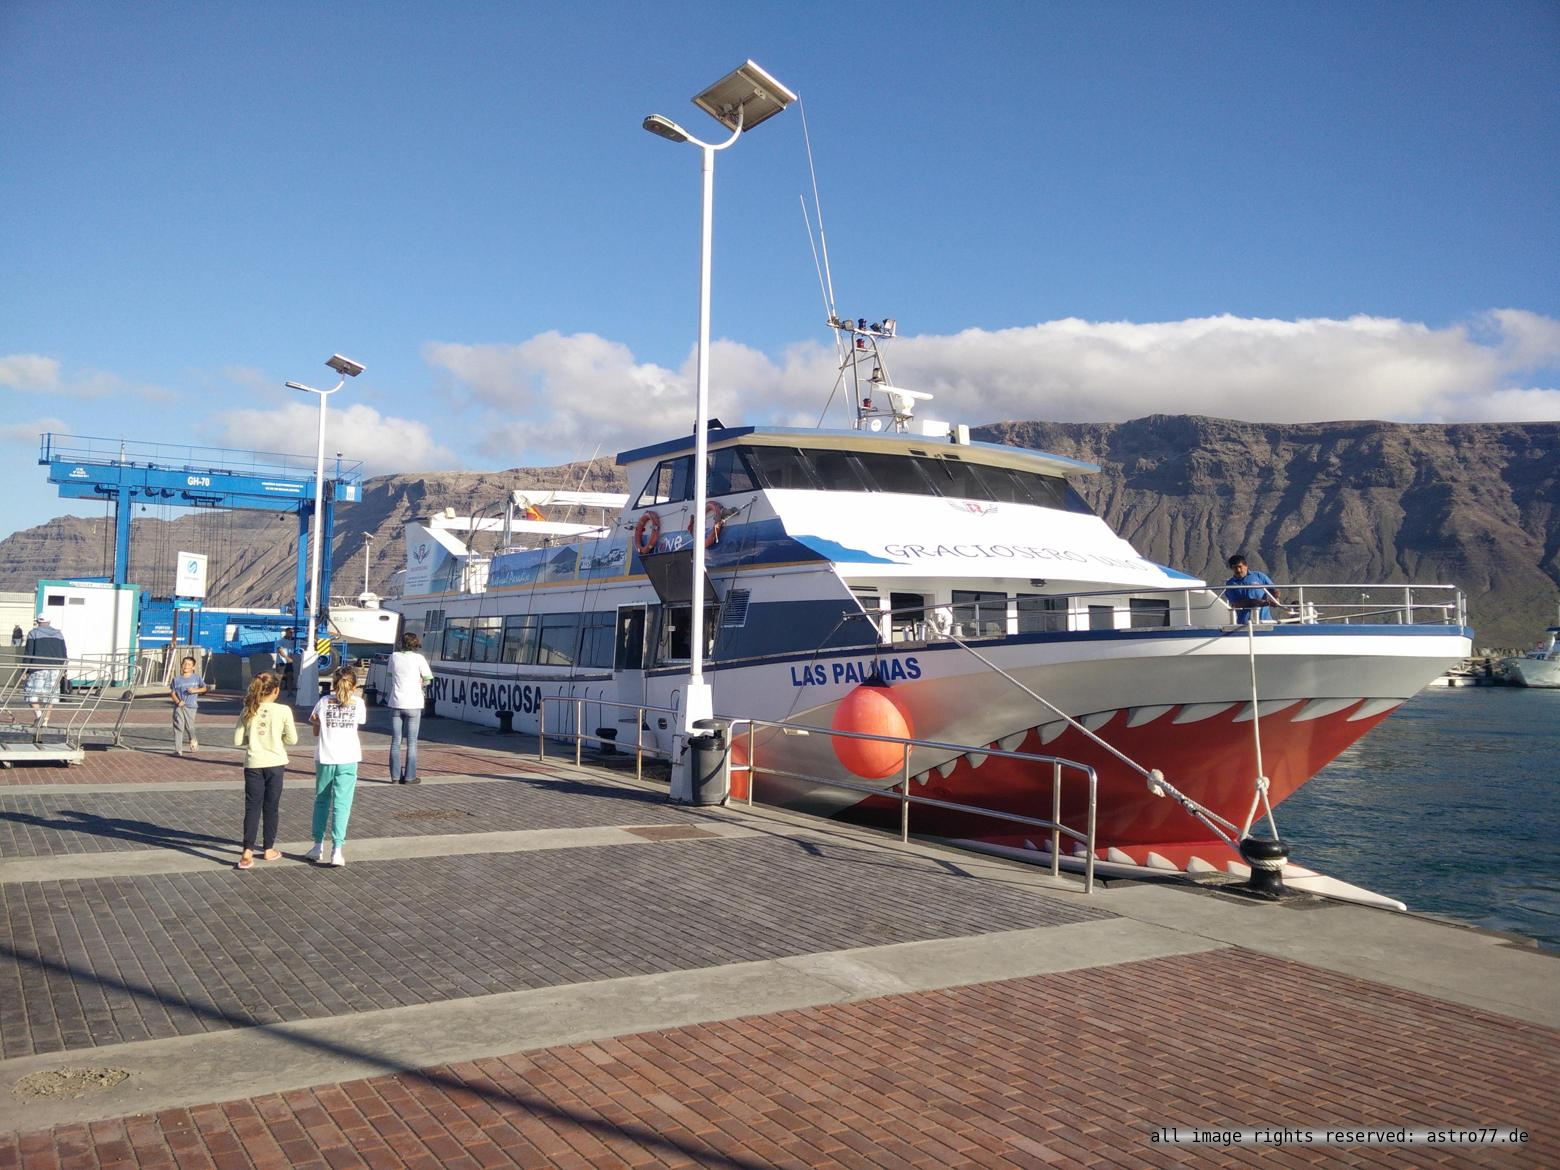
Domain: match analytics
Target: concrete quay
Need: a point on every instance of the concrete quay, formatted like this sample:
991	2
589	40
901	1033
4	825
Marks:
531	964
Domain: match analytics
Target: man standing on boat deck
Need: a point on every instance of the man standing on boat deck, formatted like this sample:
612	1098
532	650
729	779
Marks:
1249	601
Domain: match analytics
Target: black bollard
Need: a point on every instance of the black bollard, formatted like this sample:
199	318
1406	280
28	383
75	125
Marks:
506	721
1266	859
608	737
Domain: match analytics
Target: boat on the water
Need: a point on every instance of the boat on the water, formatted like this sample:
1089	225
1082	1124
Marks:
930	587
1539	667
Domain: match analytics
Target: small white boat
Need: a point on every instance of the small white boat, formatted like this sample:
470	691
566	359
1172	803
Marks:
1539	667
361	622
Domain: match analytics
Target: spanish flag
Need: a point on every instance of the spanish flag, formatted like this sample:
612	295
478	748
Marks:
531	512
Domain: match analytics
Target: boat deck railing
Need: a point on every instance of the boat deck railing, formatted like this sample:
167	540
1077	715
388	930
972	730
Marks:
900	792
1188	606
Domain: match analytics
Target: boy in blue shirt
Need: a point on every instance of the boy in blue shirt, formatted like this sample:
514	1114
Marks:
1248	602
186	690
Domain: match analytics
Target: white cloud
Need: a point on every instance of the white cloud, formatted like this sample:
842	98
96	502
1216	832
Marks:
557	397
29	372
383	443
28	432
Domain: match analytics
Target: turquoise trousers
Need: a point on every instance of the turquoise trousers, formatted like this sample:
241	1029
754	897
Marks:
333	788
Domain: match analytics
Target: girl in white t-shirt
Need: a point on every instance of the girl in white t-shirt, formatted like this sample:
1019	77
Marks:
337	753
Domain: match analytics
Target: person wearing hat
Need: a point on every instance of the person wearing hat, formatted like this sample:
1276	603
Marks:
1249	601
44	656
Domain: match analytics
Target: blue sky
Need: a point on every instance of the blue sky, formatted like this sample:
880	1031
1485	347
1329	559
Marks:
1079	211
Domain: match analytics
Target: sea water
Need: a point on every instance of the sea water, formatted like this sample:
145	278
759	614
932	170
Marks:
1451	805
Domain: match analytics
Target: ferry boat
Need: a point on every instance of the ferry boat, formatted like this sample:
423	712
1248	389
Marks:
891	581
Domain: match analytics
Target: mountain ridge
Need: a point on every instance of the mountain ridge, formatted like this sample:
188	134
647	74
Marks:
1471	504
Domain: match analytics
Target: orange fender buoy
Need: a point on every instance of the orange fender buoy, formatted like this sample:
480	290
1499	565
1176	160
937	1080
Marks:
871	710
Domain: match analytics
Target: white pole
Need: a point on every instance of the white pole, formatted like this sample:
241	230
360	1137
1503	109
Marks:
701	704
368	549
309	667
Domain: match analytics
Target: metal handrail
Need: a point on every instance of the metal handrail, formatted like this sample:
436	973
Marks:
1058	830
1085	837
639	709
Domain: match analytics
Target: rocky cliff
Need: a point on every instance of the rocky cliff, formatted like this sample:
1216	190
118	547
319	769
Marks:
1471	504
1476	504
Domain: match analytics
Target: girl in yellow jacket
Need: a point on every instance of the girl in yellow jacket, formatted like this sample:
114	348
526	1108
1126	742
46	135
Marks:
267	728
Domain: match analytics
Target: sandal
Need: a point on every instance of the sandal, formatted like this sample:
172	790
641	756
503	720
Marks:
244	863
272	855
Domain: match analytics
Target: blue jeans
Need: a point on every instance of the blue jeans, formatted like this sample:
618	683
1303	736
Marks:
404	721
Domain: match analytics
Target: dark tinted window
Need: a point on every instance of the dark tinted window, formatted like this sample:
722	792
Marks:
520	639
672	481
596	639
486	634
1150	612
1041	615
729	473
560	635
781	467
836	471
457	639
954	477
895	473
979	614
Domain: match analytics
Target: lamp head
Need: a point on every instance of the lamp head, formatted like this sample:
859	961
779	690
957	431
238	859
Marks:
666	128
344	366
299	386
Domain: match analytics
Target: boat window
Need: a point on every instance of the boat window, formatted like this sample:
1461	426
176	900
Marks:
486	635
1149	612
1041	615
631	638
671	482
895	473
1049	491
1102	617
676	642
836	471
781	467
520	633
729	473
559	638
979	614
951	476
457	639
596	639
908	622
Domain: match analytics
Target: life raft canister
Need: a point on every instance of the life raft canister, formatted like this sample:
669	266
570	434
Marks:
647	532
714	517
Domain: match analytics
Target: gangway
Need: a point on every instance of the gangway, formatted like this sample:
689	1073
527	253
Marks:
23	740
173	475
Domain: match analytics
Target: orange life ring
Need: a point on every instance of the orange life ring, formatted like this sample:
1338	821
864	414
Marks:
714	517
647	532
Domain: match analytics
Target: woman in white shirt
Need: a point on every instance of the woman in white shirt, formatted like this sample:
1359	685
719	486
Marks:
410	675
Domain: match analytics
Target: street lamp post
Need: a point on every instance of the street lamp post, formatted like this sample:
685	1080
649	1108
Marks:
739	101
309	664
368	551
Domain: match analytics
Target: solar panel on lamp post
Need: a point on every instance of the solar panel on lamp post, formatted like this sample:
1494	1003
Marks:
739	101
308	691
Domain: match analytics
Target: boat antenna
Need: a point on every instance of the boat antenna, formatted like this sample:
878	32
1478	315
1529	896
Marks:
826	279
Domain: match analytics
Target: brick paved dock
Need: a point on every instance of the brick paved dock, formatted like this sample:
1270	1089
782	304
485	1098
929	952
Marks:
530	964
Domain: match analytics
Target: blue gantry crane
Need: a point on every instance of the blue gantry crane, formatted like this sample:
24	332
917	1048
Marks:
126	474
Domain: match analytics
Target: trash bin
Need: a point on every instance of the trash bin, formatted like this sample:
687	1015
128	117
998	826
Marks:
709	761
